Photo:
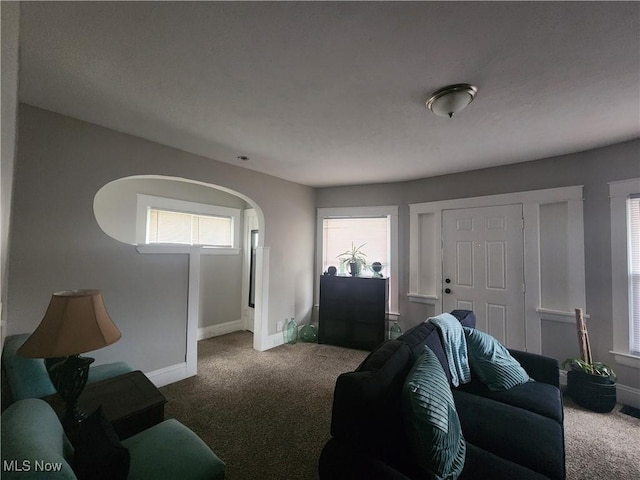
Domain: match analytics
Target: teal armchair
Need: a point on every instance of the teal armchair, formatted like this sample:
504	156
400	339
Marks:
35	447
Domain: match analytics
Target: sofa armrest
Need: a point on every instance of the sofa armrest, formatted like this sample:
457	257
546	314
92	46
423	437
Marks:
31	432
108	370
540	368
466	317
26	377
171	450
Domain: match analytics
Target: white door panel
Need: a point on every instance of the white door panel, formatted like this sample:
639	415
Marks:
483	268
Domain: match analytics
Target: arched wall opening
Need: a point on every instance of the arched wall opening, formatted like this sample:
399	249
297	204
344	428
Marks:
116	211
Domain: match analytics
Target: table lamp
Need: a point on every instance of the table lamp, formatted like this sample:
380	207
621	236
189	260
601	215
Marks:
75	322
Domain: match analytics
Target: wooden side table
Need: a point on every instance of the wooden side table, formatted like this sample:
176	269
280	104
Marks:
130	402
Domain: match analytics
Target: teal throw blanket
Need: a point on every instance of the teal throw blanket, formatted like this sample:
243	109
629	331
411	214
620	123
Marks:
455	347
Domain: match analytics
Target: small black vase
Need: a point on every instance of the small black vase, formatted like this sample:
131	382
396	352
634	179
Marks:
353	269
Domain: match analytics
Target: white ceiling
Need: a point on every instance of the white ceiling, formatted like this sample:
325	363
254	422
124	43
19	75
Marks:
333	93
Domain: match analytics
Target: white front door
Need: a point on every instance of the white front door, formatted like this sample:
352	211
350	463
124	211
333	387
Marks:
483	269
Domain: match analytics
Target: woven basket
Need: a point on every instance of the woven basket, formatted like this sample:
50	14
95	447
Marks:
593	392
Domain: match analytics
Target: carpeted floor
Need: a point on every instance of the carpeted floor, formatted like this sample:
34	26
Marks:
267	414
601	446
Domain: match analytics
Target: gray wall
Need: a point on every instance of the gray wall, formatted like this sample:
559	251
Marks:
10	14
220	289
56	243
593	169
115	207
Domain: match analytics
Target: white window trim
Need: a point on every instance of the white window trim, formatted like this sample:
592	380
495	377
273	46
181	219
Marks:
390	211
531	200
144	202
619	193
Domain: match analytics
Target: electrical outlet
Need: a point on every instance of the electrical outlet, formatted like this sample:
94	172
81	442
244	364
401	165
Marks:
280	325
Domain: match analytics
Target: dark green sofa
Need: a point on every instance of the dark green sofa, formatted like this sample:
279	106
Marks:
513	434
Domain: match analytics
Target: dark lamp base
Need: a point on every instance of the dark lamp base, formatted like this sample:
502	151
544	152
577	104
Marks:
69	375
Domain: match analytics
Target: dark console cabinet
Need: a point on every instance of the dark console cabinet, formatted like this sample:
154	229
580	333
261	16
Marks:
353	311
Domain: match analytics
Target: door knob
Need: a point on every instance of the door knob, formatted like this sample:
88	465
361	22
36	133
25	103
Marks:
447	290
447	280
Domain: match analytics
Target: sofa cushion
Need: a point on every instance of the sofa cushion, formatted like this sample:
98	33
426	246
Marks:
491	361
537	397
340	460
526	438
431	421
480	464
367	402
99	455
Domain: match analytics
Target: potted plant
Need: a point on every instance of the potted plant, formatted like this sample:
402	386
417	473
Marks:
595	368
590	384
354	258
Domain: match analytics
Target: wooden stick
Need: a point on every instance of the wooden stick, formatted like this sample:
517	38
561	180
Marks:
583	337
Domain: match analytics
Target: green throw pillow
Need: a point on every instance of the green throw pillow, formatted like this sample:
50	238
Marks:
492	362
431	420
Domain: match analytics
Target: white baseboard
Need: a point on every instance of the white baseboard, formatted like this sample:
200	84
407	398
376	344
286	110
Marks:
220	329
276	339
628	395
624	394
273	341
165	376
175	373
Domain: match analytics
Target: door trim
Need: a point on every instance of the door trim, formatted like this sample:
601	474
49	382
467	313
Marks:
247	313
425	250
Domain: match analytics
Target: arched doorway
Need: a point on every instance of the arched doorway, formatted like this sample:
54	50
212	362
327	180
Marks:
117	208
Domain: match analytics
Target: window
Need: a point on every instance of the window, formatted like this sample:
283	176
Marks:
625	270
340	233
634	271
178	223
376	227
165	226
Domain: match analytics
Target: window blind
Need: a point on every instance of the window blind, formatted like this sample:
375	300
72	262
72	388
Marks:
634	272
166	226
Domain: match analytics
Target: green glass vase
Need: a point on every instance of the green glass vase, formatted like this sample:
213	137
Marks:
395	331
291	332
309	333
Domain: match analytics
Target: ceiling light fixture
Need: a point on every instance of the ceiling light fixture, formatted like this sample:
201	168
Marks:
244	158
451	99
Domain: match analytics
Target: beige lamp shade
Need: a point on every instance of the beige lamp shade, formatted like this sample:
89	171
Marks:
76	321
